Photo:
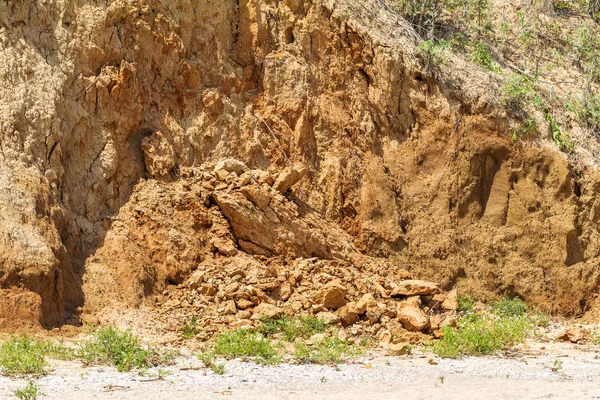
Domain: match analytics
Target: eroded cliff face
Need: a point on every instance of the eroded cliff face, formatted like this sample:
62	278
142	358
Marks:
102	102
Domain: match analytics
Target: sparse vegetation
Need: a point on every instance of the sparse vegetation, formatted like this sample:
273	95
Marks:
29	392
21	355
292	328
503	324
190	329
209	362
329	350
114	347
246	343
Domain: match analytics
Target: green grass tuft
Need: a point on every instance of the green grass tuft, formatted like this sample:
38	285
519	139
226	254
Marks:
509	307
29	392
246	343
329	350
291	329
23	356
115	347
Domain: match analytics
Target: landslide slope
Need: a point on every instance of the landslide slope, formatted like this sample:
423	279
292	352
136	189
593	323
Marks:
103	103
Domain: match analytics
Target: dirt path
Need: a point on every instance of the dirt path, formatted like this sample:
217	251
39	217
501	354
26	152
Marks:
527	374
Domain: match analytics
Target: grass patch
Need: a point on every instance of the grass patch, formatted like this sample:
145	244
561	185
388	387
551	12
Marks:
118	348
329	350
505	323
23	356
291	329
29	392
246	343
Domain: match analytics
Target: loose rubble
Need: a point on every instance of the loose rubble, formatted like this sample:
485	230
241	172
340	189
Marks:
272	256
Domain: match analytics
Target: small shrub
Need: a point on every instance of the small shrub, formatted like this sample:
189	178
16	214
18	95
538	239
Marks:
561	138
481	57
246	343
587	111
517	91
29	392
118	348
586	43
509	307
433	54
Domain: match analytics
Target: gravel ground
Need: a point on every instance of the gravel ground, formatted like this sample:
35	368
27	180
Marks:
526	374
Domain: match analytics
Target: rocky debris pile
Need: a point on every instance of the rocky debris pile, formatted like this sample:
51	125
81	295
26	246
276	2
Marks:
254	250
384	303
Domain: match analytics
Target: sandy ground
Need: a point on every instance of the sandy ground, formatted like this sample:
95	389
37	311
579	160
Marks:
525	374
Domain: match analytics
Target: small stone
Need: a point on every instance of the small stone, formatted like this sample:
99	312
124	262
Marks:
225	246
451	301
412	318
208	290
328	317
348	313
222	174
415	287
256	196
266	310
243	304
575	335
229	308
195	280
332	295
397	349
289	177
230	165
366	301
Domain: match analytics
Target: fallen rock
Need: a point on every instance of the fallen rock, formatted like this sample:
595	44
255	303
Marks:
366	301
575	335
259	198
397	349
413	287
195	280
231	165
328	317
412	318
332	296
266	310
451	301
348	313
289	177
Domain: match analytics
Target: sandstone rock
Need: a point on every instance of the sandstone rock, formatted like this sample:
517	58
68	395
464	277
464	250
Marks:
231	165
229	308
332	296
575	335
265	310
258	197
222	176
397	349
412	318
348	313
224	246
208	289
195	280
415	287
366	301
243	304
159	155
451	301
289	177
328	317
